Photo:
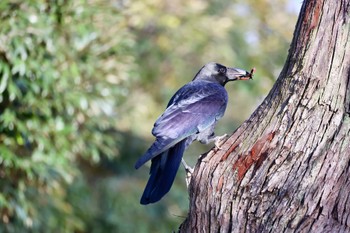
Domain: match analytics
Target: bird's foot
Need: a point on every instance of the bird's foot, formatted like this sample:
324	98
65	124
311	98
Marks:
189	172
188	178
219	140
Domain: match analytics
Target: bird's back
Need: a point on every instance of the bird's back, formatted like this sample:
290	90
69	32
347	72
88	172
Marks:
191	109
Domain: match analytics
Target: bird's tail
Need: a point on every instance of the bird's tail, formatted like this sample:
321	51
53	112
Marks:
163	171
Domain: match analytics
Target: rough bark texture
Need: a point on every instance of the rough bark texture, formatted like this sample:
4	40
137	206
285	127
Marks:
287	168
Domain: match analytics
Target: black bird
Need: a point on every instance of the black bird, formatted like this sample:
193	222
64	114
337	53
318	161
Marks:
191	115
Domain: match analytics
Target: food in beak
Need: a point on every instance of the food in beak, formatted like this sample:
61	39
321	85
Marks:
248	75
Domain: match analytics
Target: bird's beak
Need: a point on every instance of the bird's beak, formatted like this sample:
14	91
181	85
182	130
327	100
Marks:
234	74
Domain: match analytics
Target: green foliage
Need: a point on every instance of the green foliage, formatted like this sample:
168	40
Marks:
55	107
81	83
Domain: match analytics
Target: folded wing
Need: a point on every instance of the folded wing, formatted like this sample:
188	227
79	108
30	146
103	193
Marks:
195	107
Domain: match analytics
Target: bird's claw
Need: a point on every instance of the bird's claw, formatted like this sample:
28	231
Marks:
219	140
189	172
188	177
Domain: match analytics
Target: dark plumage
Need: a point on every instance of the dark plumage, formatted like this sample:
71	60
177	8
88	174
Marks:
191	115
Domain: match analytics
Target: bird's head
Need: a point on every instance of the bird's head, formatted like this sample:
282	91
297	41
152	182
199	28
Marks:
218	73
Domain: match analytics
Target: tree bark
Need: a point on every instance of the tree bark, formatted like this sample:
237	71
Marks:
287	168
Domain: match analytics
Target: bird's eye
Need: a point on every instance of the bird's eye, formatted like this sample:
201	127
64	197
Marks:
222	70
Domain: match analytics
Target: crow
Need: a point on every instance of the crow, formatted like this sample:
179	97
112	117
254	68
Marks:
191	114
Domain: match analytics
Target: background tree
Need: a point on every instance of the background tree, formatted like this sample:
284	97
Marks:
286	169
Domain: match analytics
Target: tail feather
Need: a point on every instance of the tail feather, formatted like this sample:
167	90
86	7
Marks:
163	171
160	146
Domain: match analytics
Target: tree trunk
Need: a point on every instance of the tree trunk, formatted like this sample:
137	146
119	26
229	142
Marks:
287	168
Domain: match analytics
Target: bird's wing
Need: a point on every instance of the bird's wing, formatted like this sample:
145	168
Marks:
189	117
193	108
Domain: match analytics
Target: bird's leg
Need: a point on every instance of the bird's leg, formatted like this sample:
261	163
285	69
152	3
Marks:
189	171
218	140
187	168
